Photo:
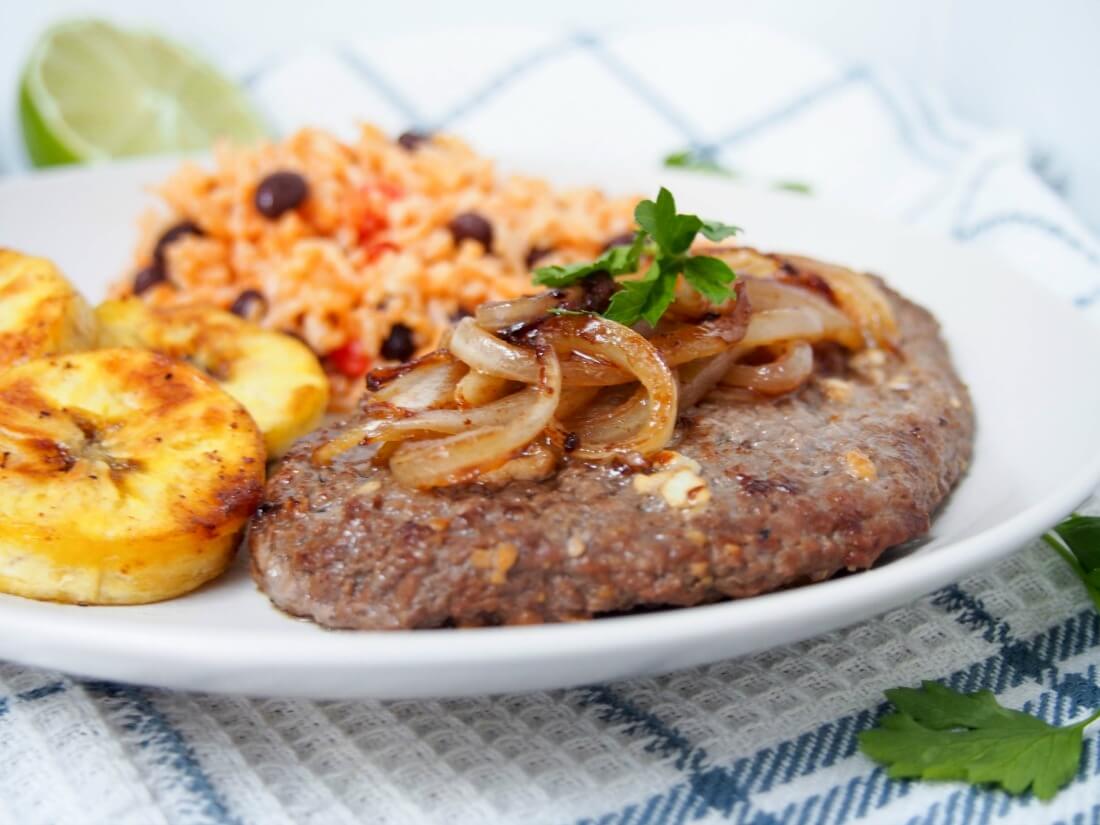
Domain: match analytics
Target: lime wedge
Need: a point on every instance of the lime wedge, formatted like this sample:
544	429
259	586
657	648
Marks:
91	92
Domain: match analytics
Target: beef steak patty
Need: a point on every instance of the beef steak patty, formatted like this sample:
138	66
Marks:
786	491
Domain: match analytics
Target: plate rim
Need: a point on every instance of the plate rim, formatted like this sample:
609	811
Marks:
873	590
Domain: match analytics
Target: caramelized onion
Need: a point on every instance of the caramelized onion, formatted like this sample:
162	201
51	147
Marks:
744	260
448	422
423	384
644	423
835	325
859	298
690	342
437	462
773	326
690	305
605	430
697	378
536	462
516	388
788	372
574	399
478	388
504	314
487	353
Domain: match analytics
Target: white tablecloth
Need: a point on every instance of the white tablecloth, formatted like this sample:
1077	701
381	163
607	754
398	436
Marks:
763	739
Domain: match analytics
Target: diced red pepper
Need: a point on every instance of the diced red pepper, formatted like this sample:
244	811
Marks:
374	250
370	225
367	209
350	359
392	191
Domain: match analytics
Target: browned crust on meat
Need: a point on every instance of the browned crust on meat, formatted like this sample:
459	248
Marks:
820	481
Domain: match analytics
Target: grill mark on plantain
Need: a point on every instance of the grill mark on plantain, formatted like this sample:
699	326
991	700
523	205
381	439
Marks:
237	496
22	396
190	335
53	456
94	450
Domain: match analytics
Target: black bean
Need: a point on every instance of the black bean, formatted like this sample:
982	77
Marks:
472	226
280	192
622	239
410	141
170	236
536	254
571	442
399	344
148	278
250	305
598	289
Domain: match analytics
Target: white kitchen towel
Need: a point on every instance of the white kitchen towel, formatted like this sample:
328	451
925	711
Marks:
763	739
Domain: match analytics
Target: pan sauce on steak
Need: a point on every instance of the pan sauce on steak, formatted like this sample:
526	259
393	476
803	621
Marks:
751	497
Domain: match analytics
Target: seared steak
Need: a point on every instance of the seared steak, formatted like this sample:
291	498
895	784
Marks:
787	491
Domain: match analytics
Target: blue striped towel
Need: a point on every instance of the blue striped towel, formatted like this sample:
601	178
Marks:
769	738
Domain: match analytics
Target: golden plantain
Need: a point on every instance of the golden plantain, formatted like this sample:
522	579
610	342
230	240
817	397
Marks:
125	477
276	377
40	312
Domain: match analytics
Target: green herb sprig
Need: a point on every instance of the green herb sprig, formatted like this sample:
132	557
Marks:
1077	540
697	162
938	733
693	161
665	236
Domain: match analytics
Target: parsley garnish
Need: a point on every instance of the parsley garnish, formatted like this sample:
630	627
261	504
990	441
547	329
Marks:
665	236
1077	540
938	733
618	260
697	162
796	186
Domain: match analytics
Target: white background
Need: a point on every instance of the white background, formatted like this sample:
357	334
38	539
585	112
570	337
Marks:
1032	66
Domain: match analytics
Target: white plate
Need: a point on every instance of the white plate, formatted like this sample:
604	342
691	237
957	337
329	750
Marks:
1037	456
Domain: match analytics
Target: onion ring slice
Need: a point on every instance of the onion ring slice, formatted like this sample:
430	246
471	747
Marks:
453	459
503	314
644	423
786	373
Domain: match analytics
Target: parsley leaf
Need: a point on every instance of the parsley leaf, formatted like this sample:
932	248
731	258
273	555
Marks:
798	186
703	161
1077	540
697	162
666	237
618	260
657	217
672	232
939	733
717	231
647	298
711	277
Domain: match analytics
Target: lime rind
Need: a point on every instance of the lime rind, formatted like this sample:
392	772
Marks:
93	92
42	147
